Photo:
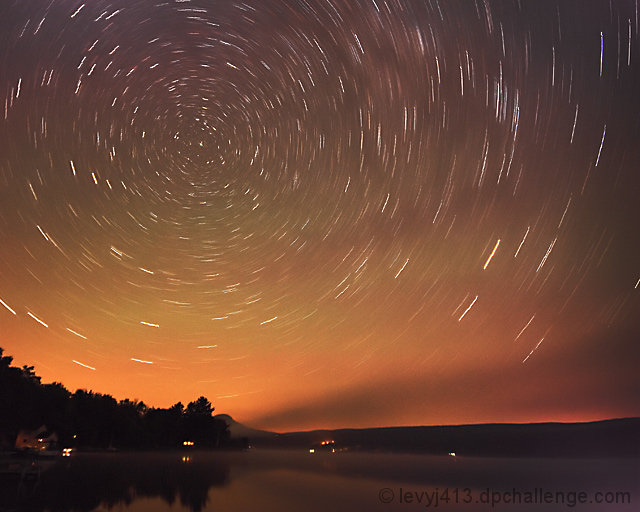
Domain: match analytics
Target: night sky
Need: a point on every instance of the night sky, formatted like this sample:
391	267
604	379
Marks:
326	213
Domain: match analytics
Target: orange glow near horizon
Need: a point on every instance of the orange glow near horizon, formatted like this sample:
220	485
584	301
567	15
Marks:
325	214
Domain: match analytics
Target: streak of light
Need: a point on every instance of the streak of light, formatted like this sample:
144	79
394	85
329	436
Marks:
522	243
76	333
112	14
268	321
43	234
547	254
525	327
566	209
534	349
575	120
141	361
400	271
149	324
604	132
601	51
467	310
7	306
77	11
84	365
491	255
36	319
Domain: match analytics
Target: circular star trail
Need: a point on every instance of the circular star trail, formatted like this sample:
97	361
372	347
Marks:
325	213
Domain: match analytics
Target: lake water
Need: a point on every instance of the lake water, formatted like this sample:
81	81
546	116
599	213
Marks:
299	481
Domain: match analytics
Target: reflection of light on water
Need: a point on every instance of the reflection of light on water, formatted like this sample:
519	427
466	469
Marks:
326	447
290	481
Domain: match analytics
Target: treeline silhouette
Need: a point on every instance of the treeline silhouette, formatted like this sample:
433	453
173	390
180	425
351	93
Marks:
85	419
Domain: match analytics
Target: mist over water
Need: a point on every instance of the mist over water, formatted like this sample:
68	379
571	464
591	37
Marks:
297	480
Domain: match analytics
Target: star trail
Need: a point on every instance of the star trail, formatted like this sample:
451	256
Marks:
325	213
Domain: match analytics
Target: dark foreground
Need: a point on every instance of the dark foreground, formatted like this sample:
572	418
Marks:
298	480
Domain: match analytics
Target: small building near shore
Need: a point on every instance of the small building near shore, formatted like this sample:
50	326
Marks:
40	439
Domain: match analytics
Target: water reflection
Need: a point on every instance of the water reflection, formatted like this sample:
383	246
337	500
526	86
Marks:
86	481
281	481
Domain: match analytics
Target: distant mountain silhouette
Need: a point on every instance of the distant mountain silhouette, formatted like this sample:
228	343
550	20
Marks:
608	438
238	430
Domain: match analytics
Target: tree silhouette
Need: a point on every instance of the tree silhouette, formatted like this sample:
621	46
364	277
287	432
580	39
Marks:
177	408
29	374
5	361
93	420
200	407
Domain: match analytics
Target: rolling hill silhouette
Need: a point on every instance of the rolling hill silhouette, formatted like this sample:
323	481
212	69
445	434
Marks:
608	438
